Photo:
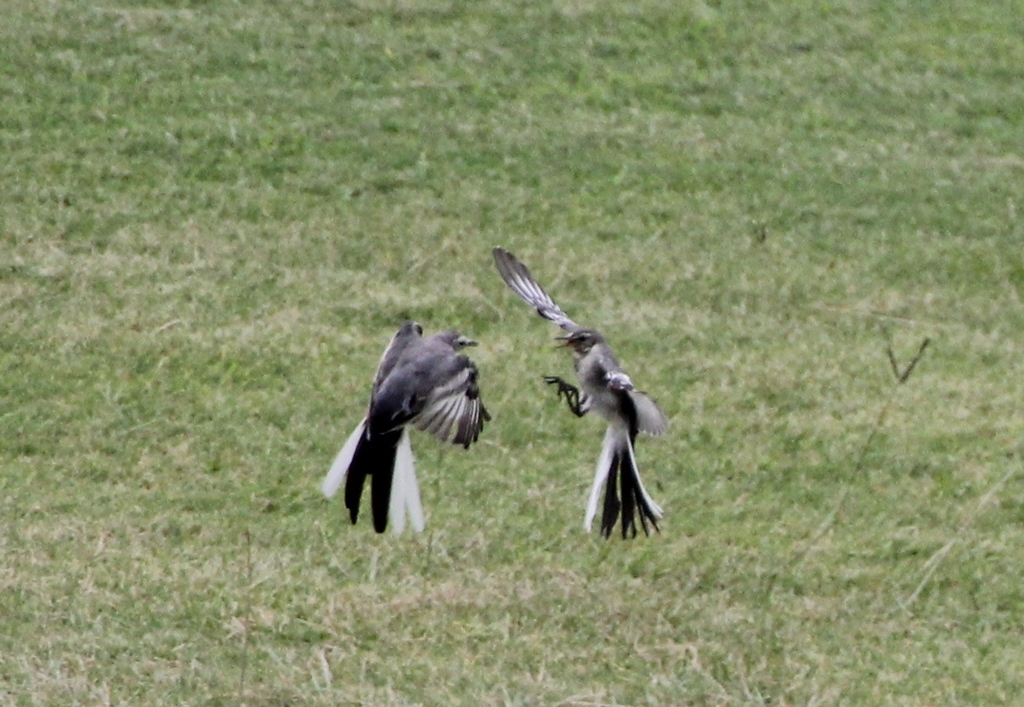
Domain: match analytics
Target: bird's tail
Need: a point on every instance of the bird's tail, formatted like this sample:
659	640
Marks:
387	459
405	490
617	471
339	467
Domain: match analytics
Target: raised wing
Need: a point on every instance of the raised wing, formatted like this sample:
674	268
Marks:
517	276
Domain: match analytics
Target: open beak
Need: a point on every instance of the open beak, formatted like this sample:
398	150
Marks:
469	342
565	343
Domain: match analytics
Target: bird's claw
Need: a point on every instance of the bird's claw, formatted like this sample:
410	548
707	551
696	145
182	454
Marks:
571	393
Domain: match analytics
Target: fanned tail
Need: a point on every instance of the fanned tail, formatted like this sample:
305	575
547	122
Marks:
617	472
366	454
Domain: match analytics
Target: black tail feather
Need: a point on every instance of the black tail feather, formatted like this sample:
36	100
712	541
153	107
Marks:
610	514
354	485
623	476
629	499
375	456
631	479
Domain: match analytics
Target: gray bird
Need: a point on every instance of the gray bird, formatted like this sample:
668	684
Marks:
607	390
421	381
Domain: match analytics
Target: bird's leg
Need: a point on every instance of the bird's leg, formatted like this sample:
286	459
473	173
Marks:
571	393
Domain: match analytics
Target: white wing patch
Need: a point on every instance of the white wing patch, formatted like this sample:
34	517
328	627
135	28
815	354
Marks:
649	417
618	381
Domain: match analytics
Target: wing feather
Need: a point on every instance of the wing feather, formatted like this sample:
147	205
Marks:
649	417
454	411
618	381
517	276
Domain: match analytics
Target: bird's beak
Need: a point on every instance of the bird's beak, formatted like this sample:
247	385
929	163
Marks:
469	342
565	343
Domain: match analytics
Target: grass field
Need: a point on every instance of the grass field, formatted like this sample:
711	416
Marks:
215	215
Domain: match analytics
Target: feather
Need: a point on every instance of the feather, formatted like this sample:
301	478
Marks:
453	414
517	276
649	417
604	463
382	452
339	468
612	505
405	491
629	493
618	381
656	511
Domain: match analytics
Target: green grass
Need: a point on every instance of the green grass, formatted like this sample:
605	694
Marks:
214	216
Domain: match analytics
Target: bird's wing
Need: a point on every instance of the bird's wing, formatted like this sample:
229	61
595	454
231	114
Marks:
410	333
517	276
453	409
618	381
649	417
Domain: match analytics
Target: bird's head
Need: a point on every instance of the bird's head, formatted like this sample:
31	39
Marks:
580	341
456	340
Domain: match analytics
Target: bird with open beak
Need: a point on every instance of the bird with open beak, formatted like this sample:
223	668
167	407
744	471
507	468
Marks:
606	389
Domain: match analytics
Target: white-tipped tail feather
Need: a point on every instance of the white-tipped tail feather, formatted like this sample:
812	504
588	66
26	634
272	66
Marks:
405	490
339	468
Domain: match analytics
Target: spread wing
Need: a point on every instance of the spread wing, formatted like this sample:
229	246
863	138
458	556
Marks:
453	409
517	276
